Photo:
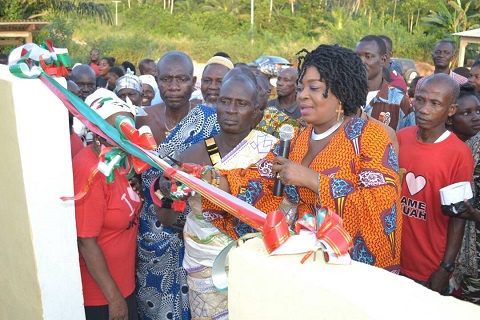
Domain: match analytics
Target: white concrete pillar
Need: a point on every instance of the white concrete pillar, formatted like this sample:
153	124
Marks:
461	52
40	276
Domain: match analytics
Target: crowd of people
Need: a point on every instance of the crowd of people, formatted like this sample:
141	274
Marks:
366	145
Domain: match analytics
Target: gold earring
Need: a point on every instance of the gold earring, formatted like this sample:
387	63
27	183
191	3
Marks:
339	112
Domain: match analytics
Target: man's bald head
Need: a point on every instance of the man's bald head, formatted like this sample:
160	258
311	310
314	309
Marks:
446	82
244	82
290	72
176	56
85	78
175	79
83	69
246	71
148	66
287	83
263	91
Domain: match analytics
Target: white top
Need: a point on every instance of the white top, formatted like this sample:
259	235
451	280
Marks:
370	96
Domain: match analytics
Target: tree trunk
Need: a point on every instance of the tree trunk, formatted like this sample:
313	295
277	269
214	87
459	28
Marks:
291	7
418	18
270	13
171	7
383	18
164	4
411	21
394	9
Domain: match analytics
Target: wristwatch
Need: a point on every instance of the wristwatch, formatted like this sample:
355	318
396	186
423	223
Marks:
447	266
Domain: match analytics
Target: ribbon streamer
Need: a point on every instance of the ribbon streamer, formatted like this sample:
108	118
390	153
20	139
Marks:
99	126
275	231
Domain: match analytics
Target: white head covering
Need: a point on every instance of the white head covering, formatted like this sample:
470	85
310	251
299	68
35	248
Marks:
150	80
105	103
129	80
220	60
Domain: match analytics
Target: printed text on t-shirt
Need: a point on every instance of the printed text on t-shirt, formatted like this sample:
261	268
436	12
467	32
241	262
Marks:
414	208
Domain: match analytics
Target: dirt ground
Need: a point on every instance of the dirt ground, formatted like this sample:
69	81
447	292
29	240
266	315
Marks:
424	68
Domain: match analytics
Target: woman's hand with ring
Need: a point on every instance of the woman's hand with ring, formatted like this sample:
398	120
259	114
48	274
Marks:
292	173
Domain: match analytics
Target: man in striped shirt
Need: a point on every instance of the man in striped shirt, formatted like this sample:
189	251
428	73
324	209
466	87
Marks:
442	56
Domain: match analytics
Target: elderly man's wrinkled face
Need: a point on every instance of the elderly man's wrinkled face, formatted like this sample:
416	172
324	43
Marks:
212	81
236	106
286	82
132	94
433	104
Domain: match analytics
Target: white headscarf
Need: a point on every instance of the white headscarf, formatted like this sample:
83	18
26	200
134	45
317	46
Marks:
150	80
129	81
105	103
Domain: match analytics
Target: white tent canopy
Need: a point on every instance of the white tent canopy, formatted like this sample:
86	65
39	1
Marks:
466	37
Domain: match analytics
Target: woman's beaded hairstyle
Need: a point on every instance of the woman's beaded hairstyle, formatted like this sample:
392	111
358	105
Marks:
341	70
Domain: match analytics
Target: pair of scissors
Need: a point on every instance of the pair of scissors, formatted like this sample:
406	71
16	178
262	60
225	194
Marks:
175	161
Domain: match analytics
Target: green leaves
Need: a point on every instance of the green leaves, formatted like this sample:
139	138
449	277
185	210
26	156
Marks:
32	9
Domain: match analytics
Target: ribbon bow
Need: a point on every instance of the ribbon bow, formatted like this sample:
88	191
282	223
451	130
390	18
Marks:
113	157
34	59
56	62
329	230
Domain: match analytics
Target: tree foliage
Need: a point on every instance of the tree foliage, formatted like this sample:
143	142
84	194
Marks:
31	9
148	28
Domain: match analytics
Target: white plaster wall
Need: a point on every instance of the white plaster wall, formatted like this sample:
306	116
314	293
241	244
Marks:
43	135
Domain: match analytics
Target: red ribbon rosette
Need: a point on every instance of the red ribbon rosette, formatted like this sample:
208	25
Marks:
142	137
328	228
115	158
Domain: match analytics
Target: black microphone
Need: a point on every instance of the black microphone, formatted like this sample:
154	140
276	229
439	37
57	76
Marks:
286	135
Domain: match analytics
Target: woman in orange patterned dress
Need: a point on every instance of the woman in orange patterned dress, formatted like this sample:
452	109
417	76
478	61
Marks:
339	161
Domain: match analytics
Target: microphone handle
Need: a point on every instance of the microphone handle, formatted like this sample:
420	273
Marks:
284	150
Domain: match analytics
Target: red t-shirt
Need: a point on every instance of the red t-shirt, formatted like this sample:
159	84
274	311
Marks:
109	212
95	68
76	144
397	81
429	167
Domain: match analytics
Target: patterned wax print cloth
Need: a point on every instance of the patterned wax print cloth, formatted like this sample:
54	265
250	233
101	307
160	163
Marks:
162	291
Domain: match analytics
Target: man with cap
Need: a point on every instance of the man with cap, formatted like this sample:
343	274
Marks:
212	77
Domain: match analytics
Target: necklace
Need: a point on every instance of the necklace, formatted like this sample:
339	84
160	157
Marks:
168	130
325	134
